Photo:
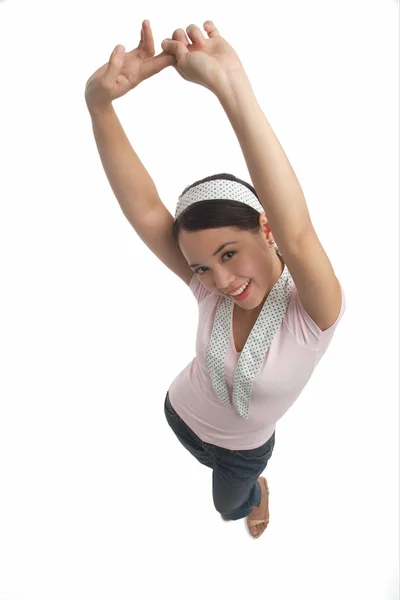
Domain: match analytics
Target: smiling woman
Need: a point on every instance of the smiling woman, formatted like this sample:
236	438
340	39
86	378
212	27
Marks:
224	235
207	228
224	406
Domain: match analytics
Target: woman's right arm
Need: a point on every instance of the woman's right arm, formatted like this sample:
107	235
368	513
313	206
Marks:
136	192
129	180
131	183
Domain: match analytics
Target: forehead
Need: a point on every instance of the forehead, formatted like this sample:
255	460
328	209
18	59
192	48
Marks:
208	238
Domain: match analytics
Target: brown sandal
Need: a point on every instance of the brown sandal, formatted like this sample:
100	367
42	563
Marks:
252	523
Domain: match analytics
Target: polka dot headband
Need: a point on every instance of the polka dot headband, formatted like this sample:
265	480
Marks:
218	189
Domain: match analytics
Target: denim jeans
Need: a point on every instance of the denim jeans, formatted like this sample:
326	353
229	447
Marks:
234	484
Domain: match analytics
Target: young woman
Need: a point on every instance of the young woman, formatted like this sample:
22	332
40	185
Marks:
267	312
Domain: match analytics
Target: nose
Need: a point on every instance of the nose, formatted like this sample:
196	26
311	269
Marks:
223	280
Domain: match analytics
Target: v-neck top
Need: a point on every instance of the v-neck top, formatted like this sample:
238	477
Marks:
295	351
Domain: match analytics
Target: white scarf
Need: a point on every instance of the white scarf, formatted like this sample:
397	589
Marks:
255	349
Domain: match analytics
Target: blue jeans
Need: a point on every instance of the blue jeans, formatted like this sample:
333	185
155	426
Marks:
235	472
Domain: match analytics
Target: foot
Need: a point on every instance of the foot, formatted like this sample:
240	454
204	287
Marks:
258	519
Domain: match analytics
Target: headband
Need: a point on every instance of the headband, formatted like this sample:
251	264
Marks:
218	189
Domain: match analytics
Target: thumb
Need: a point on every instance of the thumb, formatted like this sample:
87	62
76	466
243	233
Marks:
175	48
114	65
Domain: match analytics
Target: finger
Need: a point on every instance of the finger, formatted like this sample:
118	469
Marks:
160	62
148	41
176	48
195	35
211	30
114	65
180	36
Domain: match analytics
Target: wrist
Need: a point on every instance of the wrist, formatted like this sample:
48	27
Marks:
236	93
98	111
231	85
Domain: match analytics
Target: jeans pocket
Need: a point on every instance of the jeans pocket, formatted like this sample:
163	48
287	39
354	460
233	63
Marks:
261	453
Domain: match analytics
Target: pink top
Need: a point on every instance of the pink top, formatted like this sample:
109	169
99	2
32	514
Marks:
295	351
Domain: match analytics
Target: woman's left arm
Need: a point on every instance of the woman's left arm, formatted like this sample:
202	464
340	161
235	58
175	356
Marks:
271	173
214	64
281	196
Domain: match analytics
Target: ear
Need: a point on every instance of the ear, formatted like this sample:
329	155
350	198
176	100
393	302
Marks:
265	225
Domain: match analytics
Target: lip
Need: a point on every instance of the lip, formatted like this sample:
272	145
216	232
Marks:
238	287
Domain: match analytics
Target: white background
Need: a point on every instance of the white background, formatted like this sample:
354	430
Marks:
98	499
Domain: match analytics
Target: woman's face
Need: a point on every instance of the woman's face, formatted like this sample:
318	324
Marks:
244	257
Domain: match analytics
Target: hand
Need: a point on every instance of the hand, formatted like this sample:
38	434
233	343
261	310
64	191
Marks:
209	62
125	70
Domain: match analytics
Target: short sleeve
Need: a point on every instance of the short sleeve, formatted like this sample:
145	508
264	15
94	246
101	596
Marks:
199	291
304	329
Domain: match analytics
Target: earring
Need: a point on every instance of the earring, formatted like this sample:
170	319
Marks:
271	242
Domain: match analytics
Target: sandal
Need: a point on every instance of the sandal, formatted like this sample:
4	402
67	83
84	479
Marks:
252	523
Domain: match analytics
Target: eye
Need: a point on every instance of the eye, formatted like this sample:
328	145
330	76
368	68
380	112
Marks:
202	273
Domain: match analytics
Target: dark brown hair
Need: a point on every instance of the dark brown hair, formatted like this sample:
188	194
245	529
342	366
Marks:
209	214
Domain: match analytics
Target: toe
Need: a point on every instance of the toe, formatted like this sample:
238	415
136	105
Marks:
257	530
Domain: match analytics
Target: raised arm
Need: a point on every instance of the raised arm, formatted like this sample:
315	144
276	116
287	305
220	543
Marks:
214	64
285	206
130	181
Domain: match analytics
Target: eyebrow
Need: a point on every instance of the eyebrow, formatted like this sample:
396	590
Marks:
216	252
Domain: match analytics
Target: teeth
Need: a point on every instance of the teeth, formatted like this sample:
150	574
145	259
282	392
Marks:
241	290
